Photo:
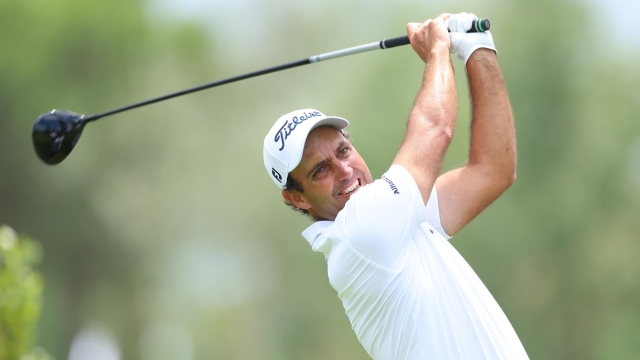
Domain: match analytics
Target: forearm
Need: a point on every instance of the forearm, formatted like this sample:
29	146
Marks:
493	143
431	122
432	119
465	192
436	106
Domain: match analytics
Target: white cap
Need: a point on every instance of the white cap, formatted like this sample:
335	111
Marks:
284	144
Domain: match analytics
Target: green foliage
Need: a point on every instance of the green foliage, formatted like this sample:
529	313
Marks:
20	296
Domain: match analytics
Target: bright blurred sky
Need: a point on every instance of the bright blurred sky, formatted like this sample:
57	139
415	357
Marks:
621	15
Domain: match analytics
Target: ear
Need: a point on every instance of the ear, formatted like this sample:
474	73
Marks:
296	199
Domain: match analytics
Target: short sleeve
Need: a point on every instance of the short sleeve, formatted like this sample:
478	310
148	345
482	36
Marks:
433	213
381	218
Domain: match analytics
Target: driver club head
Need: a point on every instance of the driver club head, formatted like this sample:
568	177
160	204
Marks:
55	134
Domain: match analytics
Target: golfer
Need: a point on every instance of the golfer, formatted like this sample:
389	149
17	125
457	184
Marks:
407	292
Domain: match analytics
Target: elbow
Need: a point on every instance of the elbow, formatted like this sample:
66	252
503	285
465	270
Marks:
505	173
508	176
443	131
447	125
502	178
436	136
445	134
501	174
500	182
440	125
511	179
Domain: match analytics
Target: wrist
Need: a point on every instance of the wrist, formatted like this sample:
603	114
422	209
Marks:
482	57
439	51
484	54
468	44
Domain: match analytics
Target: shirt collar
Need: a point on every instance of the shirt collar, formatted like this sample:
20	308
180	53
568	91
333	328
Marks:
313	232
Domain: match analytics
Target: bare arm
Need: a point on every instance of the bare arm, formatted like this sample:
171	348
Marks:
463	193
432	119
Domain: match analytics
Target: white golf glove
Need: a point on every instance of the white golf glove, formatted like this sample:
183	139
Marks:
464	44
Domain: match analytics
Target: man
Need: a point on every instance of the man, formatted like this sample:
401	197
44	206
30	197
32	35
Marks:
407	292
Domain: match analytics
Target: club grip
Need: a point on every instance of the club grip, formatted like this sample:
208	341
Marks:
397	41
480	25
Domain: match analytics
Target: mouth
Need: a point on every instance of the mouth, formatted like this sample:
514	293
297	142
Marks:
352	188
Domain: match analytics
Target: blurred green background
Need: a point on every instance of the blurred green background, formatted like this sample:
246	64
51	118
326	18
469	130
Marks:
164	238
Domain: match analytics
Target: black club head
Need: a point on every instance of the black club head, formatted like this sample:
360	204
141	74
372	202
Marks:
55	134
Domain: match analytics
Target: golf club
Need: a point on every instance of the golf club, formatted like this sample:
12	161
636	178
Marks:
56	133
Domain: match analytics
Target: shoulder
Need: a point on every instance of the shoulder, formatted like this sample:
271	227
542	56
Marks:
379	220
388	205
395	187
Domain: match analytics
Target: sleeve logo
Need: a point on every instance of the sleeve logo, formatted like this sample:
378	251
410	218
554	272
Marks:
391	185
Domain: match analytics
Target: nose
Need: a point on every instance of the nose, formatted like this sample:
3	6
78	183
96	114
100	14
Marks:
344	171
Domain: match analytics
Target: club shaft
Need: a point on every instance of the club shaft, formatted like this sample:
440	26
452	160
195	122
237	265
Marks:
383	44
479	25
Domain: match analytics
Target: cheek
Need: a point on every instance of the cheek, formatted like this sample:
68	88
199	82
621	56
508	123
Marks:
358	163
324	187
362	167
316	187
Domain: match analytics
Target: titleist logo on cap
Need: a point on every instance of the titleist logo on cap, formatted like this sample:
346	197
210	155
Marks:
288	127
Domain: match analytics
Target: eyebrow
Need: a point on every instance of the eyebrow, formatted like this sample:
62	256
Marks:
324	161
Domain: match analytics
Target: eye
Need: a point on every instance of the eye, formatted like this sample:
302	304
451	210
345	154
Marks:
344	150
319	171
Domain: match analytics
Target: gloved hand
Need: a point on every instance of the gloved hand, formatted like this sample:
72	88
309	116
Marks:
464	44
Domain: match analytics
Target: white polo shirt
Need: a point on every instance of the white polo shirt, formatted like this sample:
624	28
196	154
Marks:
407	292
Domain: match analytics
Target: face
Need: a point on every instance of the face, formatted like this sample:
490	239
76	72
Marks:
330	172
